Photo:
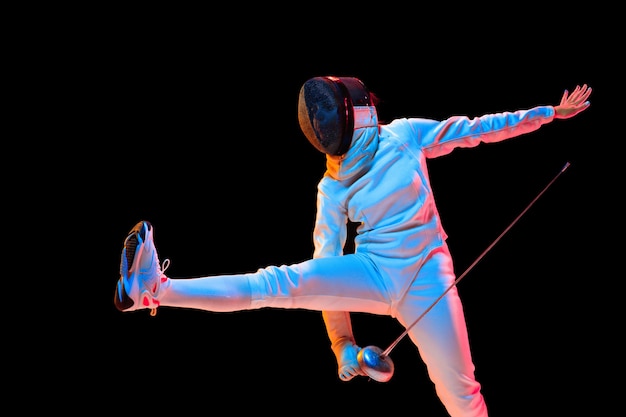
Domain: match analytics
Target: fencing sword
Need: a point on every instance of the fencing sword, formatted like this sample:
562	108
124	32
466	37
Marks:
376	362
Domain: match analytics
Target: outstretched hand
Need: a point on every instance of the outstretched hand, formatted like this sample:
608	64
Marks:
572	104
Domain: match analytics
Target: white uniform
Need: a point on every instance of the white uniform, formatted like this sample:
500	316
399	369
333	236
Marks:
401	263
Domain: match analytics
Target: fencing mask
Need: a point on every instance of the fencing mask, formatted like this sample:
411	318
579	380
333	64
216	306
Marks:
326	111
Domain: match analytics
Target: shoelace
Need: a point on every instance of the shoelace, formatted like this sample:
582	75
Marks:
164	265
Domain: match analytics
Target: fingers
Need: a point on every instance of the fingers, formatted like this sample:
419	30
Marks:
586	93
574	96
580	94
564	98
578	97
348	372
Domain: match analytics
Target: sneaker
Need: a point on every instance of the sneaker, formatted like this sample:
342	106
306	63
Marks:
141	276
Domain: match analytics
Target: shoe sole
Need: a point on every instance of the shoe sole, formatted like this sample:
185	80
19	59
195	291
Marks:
132	251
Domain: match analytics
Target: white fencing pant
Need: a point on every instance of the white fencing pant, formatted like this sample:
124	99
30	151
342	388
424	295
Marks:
361	283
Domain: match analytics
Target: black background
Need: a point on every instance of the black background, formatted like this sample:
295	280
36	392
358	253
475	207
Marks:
189	120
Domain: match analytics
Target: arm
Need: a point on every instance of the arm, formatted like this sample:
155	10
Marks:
440	138
331	219
329	236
